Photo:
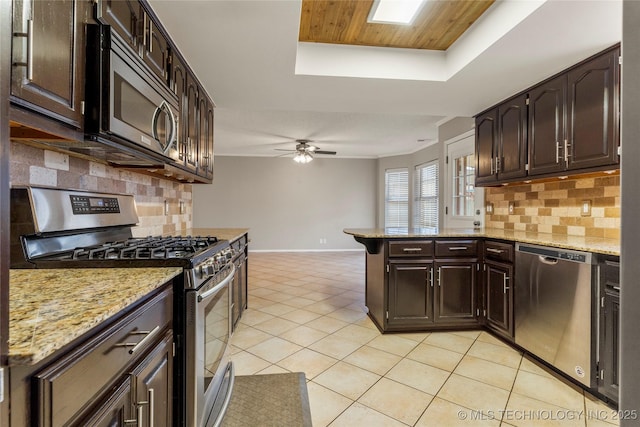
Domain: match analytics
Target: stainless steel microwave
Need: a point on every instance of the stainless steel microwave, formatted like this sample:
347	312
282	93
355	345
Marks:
127	106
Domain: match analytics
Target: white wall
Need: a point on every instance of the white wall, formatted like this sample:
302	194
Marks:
288	206
446	131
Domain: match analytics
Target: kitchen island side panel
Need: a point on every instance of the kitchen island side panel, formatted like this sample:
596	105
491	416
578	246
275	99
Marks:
375	294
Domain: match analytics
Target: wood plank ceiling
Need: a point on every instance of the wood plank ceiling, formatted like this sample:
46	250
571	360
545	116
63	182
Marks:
438	25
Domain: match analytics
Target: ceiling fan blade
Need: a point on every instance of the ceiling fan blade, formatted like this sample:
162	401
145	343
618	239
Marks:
282	149
324	152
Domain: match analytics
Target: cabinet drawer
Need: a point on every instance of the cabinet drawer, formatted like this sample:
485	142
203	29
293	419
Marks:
71	384
498	251
417	248
456	248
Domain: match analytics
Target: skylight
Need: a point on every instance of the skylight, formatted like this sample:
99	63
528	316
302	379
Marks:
394	11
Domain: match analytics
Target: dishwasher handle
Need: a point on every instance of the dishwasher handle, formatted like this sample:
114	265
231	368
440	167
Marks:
548	260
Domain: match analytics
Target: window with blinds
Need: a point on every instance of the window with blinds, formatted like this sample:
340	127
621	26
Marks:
396	201
425	207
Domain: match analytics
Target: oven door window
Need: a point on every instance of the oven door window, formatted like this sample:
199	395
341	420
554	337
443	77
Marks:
216	332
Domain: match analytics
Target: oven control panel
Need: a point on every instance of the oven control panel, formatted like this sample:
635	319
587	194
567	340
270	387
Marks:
83	205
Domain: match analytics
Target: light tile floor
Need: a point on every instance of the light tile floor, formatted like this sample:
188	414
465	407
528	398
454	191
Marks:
307	314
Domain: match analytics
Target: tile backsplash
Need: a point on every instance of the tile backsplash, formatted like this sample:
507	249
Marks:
38	167
556	206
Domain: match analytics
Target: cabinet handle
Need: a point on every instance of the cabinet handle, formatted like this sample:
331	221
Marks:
495	251
505	287
30	49
137	345
566	151
431	277
557	151
150	397
140	414
458	248
29	62
439	277
412	249
491	166
498	162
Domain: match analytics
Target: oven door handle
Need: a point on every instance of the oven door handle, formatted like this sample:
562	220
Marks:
164	107
219	286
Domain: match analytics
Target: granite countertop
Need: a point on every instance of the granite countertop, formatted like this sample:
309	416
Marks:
229	234
580	243
50	308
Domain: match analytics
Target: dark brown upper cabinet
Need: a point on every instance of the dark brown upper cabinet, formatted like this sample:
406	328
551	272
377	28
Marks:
593	113
192	124
486	140
135	26
178	86
501	142
546	126
567	124
205	150
511	161
155	49
48	58
124	17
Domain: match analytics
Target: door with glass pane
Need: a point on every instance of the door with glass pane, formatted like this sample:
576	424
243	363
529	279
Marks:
463	202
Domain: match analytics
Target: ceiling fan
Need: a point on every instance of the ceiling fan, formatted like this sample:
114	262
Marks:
304	151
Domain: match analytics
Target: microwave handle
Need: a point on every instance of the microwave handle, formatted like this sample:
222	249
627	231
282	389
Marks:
164	107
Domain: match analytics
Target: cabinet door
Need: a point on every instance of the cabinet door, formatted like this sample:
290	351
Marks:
410	300
208	157
178	85
499	298
512	136
154	385
486	140
456	299
47	72
125	18
205	113
191	154
592	131
609	357
116	411
155	52
546	127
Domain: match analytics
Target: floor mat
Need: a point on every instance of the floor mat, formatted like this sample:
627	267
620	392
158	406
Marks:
269	400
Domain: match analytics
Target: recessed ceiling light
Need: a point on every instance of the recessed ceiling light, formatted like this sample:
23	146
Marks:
394	11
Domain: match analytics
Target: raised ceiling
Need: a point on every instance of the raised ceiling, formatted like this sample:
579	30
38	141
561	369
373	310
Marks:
438	25
247	55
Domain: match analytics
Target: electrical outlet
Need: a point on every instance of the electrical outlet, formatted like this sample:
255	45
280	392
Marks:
166	207
489	208
586	208
181	207
512	207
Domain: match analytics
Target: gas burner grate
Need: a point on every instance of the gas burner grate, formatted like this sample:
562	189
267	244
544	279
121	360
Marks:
152	247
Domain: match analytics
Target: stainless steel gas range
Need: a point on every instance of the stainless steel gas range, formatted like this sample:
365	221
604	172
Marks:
54	228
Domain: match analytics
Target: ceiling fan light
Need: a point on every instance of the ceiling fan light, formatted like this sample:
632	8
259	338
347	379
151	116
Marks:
302	157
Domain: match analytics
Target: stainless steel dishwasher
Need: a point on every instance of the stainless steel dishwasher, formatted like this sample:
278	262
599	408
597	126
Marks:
553	307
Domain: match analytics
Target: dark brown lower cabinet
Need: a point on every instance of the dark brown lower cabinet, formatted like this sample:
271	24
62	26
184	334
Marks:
152	380
116	410
120	374
410	300
499	298
609	329
456	291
